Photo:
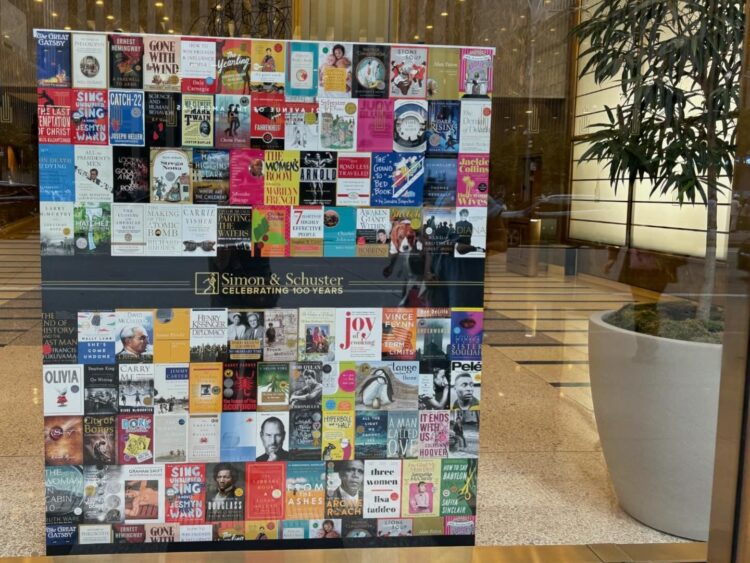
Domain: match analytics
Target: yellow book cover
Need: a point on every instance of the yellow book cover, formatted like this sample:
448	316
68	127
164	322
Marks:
268	66
261	529
172	336
420	488
338	435
197	120
282	178
205	388
305	490
442	73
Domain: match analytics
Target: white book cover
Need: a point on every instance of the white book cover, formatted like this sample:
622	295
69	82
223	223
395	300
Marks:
208	327
128	229
199	228
144	494
360	333
338	124
89	534
163	230
471	232
204	438
272	441
382	489
63	389
198	59
171	389
56	228
353	179
89	64
170	438
476	119
94	179
196	532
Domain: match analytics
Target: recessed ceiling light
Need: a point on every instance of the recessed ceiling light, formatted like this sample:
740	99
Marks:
523	17
429	27
38	1
67	28
170	31
552	29
165	18
110	17
159	4
529	111
218	7
54	14
416	37
486	38
503	29
100	2
444	14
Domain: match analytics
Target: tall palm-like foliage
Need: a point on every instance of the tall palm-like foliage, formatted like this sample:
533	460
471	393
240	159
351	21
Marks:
678	66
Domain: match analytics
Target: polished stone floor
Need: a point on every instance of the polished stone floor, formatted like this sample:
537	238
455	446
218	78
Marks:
543	479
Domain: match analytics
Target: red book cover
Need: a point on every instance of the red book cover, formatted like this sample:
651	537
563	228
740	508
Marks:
246	177
267	121
53	112
266	483
271	231
186	492
90	117
233	66
240	382
135	439
399	334
129	533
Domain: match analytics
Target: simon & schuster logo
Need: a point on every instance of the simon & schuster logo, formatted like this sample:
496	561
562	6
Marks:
207	283
299	283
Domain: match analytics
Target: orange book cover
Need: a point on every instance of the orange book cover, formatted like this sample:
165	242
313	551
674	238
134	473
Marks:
205	388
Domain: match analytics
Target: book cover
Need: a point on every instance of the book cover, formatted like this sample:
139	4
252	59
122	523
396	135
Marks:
63	488
240	386
433	333
340	231
144	494
335	70
403	435
99	443
172	335
162	63
397	179
360	333
208	335
273	385
442	73
238	436
163	121
471	232
136	385
344	488
60	337
205	388
443	127
306	427
91	534
464	434
90	117
266	485
126	125
302	70
204	439
476	118
268	64
394	527
134	336
408	74
473	180
90	52
353	179
371	435
53	115
210	176
434	386
232	121
53	59
196	532
295	529
56	173
325	529
439	230
373	229
466	380
338	124
420	488
375	119
163	230
428	526
387	385
162	533
135	438
56	229
317	178
433	433
233	66
170	438
199	230
234	226
410	126
272	441
94	179
126	61
280	337
382	488
476	73
245	334
63	440
92	224
359	527
198	65
370	73
96	337
267	122
171	178
306	231
262	529
131	174
306	386
101	389
339	386
128	533
338	435
301	126
270	231
171	388
197	120
399	334
316	341
460	525
305	490
229	531
440	181
458	486
104	494
282	178
246	177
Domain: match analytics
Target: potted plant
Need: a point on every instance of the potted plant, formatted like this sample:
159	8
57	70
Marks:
655	368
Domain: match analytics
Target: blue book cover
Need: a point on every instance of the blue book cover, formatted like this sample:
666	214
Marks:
440	181
340	231
126	118
397	179
295	529
302	70
238	436
63	534
443	126
467	327
56	173
371	435
53	59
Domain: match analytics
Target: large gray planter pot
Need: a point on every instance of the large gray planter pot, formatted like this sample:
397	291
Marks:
656	404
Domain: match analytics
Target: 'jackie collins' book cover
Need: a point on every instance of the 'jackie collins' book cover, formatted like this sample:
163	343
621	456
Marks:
232	121
92	225
63	389
267	122
410	126
234	228
302	71
353	179
199	230
63	440
340	231
60	337
399	334
442	73
135	437
163	230
205	387
89	117
131	174
473	180
198	65
246	177
317	182
266	488
301	126
233	66
316	340
53	115
53	59
370	78
371	435
397	179
56	229
64	494
382	488
280	337
126	125
271	231
338	124
162	64
282	178
197	120
305	490
375	125
99	443
373	229
476	73
458	487
268	62
408	72
171	178
126	61
89	60
163	121
306	231
443	127
240	386
440	181
420	488
210	176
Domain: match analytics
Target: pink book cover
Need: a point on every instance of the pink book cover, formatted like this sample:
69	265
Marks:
473	180
246	174
375	125
475	72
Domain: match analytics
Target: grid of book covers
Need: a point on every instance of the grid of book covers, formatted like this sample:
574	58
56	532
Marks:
196	425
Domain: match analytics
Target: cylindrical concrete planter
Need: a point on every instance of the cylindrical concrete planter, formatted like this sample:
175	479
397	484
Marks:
656	404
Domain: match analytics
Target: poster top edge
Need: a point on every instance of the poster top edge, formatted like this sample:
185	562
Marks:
493	49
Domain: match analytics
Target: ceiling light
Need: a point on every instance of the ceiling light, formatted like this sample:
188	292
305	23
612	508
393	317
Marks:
110	17
218	6
100	2
528	111
523	17
503	29
170	31
38	1
486	38
165	18
430	27
67	28
54	14
552	29
416	37
444	14
159	4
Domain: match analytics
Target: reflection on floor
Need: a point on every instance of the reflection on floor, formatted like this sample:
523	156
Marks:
542	475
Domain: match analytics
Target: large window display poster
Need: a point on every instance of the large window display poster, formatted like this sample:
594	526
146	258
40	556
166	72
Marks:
263	267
